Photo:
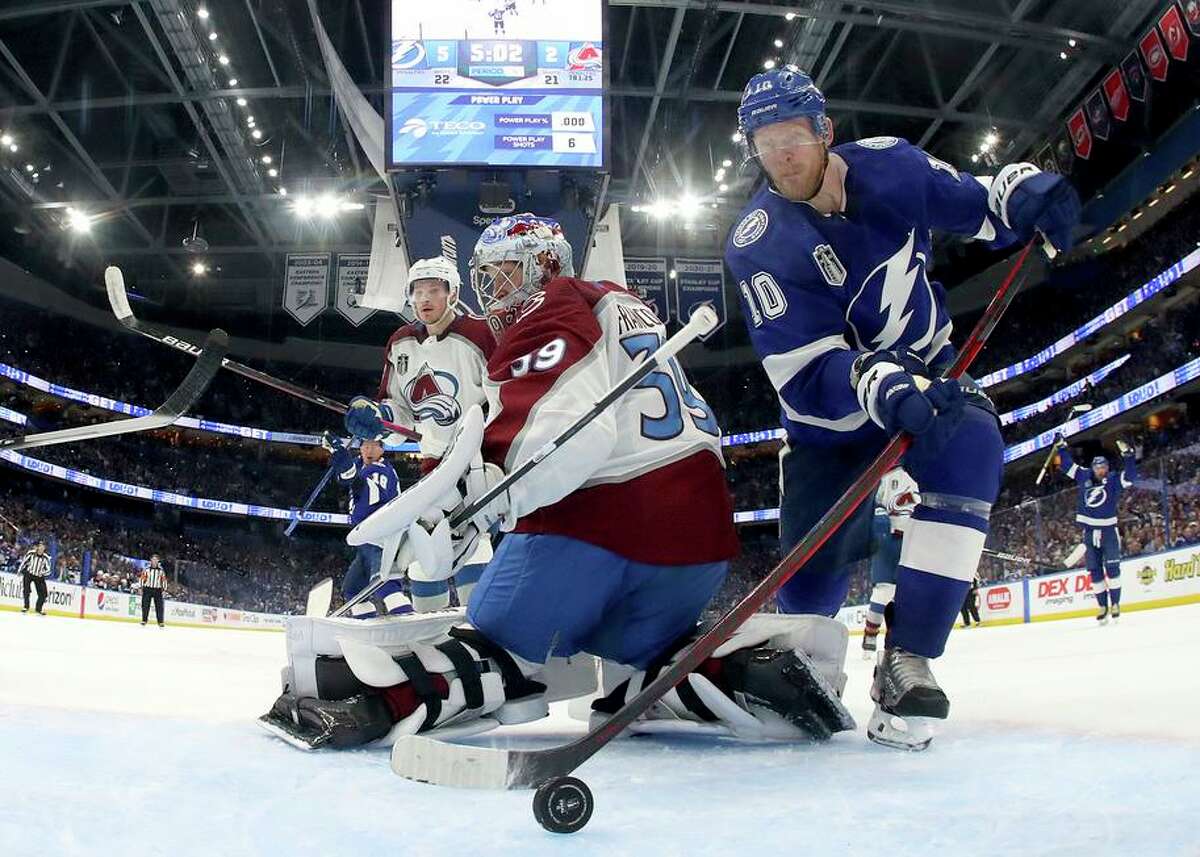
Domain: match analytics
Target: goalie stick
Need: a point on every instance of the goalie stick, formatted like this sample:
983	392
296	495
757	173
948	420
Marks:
114	282
208	363
703	320
429	760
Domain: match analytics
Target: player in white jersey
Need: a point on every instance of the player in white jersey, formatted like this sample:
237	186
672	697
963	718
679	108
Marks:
895	501
614	544
433	372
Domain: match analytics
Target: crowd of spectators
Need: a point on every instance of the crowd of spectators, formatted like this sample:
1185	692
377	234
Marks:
223	566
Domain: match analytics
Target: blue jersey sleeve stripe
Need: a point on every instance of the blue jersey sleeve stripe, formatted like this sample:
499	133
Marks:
782	368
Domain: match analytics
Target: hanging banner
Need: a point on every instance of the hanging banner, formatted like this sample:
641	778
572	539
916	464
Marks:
1151	47
1171	24
351	283
1081	137
647	278
1191	14
1117	95
306	285
1135	76
388	271
1045	159
1097	112
700	281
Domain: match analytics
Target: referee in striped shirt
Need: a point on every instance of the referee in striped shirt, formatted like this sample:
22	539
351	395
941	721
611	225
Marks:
34	568
153	580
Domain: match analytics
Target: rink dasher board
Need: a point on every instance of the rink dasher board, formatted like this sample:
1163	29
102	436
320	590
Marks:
77	602
1167	579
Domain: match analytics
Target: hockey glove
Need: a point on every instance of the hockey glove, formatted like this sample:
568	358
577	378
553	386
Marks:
930	411
1028	200
440	550
1125	449
366	417
332	442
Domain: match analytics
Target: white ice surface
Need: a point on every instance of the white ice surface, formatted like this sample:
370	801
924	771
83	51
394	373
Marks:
1065	739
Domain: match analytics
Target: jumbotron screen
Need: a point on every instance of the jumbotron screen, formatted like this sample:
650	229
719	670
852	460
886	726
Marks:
496	82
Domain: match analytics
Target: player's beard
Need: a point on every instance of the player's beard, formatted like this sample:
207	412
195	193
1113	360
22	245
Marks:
811	185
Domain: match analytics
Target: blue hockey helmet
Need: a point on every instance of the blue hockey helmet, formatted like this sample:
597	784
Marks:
1099	461
779	95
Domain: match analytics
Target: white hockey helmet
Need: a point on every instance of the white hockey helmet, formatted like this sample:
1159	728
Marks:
436	268
541	247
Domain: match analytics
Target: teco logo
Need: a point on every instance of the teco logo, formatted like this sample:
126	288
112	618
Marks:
999	599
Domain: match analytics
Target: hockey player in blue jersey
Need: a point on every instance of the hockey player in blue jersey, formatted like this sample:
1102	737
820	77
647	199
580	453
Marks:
1100	490
371	481
830	257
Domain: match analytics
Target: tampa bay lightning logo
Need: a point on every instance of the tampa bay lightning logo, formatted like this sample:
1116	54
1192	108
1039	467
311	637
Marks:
1096	497
895	304
434	396
407	53
752	227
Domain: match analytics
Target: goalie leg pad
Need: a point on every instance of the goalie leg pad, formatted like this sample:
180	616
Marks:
779	676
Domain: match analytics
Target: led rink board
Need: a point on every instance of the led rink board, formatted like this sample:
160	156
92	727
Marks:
517	83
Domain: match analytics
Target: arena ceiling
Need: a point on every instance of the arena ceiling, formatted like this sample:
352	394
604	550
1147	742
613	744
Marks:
124	111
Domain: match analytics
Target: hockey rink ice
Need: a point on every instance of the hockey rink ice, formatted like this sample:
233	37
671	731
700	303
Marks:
1065	739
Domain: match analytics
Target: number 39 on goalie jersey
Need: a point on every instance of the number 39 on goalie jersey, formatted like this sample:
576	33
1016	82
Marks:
645	479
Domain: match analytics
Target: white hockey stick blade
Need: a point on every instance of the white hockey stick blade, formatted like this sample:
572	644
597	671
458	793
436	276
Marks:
181	399
319	598
440	763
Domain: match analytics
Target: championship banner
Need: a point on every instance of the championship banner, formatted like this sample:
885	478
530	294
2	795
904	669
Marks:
1171	24
306	285
699	281
1151	47
647	278
1045	159
351	283
1117	95
1097	112
1191	14
1135	76
1081	137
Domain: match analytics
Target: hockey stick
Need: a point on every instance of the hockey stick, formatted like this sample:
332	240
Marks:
114	282
208	363
1019	560
312	498
1054	448
426	759
703	320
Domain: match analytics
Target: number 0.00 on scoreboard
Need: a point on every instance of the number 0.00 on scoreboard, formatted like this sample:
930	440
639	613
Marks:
496	82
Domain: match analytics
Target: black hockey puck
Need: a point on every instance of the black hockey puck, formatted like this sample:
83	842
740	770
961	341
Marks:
563	805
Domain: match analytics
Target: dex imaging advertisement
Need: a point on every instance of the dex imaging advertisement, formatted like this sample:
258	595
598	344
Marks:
496	82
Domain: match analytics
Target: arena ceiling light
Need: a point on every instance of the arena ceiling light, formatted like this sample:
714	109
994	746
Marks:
7	139
223	59
78	221
199	269
202	13
727	163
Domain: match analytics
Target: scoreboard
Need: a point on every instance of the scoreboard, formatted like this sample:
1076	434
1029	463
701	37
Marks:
516	83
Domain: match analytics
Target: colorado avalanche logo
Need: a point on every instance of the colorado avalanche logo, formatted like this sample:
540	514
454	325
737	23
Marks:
584	57
1096	497
895	304
407	53
433	395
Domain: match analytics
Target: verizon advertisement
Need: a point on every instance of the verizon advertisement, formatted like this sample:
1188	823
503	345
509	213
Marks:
69	600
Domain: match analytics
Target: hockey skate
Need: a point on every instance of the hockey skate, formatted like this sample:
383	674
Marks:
1102	617
1115	612
870	644
907	701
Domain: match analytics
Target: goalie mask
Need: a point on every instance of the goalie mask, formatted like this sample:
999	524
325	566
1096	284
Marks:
437	268
516	257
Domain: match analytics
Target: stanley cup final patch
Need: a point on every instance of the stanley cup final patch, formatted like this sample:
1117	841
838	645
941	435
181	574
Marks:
752	227
830	265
